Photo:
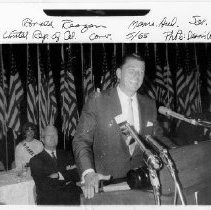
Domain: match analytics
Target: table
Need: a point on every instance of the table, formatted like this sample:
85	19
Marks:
15	189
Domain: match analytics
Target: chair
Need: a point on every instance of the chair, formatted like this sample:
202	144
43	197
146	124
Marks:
1	166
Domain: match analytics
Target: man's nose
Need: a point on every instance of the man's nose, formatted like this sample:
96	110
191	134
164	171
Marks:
135	74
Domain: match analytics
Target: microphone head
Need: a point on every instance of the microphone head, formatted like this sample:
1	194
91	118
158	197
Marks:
163	110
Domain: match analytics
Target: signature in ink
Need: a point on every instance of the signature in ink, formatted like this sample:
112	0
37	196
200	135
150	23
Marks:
14	34
27	22
40	35
136	24
67	24
197	20
95	36
205	35
166	22
173	36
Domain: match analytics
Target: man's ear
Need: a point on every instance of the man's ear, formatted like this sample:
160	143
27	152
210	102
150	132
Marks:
118	73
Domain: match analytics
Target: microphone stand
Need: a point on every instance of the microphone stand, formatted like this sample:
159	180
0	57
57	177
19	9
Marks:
152	161
164	155
155	184
169	163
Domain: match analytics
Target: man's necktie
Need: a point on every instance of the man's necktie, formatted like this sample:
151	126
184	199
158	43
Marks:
54	157
130	142
130	112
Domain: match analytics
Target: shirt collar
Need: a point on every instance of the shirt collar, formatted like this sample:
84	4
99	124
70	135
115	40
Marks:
50	152
123	96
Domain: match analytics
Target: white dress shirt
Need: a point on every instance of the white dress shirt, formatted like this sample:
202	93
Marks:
50	152
124	105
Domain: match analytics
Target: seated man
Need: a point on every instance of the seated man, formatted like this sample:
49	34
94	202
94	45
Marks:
54	173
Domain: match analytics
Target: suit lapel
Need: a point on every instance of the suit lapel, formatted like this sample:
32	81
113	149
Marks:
142	116
49	159
114	103
116	110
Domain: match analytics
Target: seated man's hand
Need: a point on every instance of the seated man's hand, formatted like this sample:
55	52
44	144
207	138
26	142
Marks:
54	176
70	167
91	185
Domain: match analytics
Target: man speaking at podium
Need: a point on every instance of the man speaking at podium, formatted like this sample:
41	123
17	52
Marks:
100	148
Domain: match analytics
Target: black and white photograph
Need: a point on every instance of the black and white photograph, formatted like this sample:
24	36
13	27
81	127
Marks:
90	120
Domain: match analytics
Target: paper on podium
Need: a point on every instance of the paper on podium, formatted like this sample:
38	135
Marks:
116	187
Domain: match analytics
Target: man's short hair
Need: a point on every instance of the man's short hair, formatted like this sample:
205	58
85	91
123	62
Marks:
130	56
47	127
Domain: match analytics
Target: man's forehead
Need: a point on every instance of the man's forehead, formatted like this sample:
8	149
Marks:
50	130
134	63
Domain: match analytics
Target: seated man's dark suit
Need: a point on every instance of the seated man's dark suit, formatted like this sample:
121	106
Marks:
53	191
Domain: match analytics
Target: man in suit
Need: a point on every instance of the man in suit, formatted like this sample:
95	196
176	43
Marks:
54	173
100	148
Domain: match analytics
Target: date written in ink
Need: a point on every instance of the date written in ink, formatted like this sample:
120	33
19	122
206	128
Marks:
137	35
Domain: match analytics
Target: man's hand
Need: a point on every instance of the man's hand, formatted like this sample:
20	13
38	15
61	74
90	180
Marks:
92	183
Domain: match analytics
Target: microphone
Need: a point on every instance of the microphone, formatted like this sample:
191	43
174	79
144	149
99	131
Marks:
167	112
151	159
157	146
126	129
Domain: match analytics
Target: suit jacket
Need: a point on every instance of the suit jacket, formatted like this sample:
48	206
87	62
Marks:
50	190
98	142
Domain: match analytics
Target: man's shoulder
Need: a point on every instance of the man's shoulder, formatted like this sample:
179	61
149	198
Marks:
38	157
101	95
145	98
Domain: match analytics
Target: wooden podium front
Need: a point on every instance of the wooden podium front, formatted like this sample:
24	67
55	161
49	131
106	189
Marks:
193	163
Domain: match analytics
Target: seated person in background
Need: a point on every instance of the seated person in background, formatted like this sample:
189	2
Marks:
54	173
29	147
187	133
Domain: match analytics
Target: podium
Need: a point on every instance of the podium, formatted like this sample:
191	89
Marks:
193	164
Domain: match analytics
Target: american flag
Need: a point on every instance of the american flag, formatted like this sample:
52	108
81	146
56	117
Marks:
193	99
69	100
159	80
209	74
43	99
3	99
52	103
114	68
32	93
106	81
180	83
167	77
64	97
149	88
148	85
15	97
88	83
